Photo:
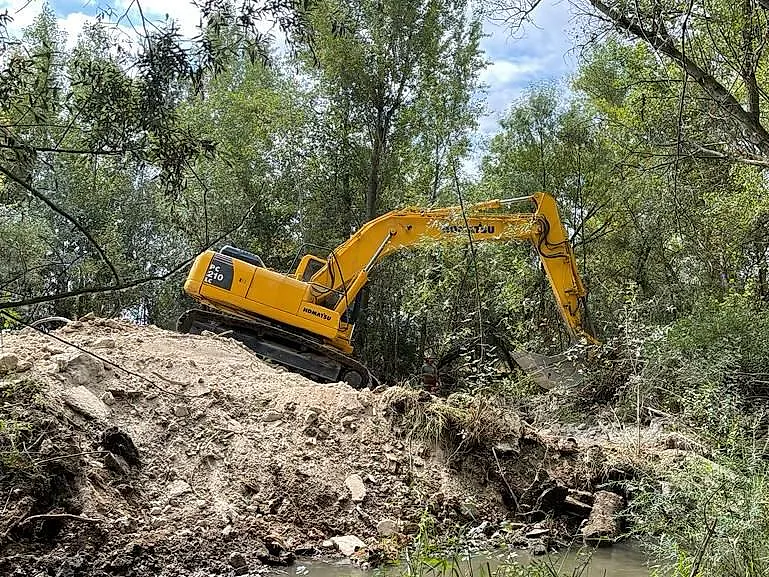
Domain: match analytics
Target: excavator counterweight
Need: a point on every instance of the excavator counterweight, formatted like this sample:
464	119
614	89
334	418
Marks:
305	319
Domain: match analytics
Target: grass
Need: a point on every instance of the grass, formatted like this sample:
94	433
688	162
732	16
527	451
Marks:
459	424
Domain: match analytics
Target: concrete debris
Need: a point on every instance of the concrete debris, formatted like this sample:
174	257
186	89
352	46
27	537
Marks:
348	544
603	525
82	400
357	488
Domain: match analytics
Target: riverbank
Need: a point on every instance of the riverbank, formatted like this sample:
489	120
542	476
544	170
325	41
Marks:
137	451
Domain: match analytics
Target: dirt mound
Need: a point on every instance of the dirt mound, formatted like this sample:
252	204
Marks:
140	451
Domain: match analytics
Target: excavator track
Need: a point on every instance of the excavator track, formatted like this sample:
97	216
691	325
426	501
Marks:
269	340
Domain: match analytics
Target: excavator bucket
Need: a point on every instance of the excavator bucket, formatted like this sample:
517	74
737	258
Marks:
548	371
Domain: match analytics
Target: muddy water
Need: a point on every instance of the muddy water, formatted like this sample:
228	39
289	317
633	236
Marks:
622	560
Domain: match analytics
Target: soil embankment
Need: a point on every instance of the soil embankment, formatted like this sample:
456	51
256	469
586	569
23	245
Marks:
169	454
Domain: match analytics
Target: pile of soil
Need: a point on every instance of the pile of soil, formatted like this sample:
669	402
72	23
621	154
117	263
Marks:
147	452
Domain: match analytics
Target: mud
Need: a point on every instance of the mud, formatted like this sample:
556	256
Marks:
146	452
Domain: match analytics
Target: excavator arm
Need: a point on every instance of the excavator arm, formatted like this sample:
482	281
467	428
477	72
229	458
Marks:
345	272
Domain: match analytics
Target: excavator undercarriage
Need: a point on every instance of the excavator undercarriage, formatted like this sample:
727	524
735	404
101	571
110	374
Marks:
282	344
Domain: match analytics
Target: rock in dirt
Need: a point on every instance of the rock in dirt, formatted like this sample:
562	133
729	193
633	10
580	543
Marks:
104	343
386	527
81	368
603	526
236	560
86	403
348	544
578	507
8	363
272	416
117	464
357	489
181	411
118	442
178	488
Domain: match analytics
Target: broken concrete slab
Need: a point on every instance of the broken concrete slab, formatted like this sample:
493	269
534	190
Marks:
348	544
82	400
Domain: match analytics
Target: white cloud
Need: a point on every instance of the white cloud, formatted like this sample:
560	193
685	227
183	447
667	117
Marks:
504	72
23	13
540	51
72	25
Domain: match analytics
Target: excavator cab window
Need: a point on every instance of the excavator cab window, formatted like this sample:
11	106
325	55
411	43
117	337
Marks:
308	266
243	255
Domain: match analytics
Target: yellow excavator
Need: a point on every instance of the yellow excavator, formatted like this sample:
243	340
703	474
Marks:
305	319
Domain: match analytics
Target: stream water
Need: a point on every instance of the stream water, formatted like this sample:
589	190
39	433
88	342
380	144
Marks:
621	560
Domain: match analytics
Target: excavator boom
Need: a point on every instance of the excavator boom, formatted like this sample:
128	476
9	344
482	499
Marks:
305	319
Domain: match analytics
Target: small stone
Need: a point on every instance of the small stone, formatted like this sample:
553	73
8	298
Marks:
80	368
387	527
539	549
327	544
23	366
567	446
72	326
505	448
88	317
537	532
347	422
272	416
104	343
236	560
8	363
117	464
156	511
107	398
578	507
227	531
358	490
348	544
181	411
178	488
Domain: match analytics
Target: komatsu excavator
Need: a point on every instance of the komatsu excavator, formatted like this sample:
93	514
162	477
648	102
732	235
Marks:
305	319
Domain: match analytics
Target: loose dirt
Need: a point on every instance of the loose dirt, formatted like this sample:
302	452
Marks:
156	453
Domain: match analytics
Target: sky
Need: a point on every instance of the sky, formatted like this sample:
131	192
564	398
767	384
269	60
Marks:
540	52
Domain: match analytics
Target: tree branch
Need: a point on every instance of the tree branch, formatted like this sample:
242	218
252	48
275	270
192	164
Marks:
64	214
720	95
119	287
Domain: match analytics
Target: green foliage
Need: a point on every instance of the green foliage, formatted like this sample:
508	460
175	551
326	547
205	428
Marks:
709	513
17	401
